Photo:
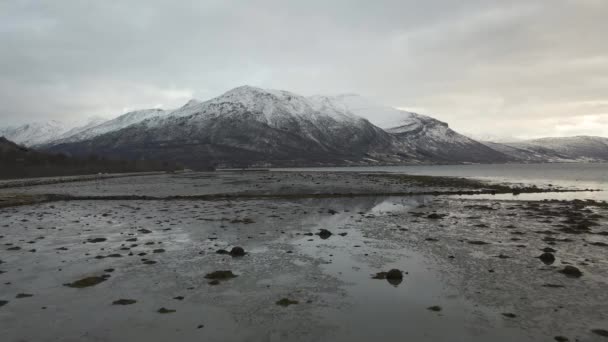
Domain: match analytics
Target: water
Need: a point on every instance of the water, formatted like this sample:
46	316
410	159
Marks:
565	175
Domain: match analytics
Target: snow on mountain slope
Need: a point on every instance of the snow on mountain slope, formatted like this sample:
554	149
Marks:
579	148
248	125
92	130
34	133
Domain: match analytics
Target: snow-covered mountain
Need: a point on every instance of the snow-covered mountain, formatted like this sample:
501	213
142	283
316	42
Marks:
34	133
566	149
245	126
420	135
249	126
93	129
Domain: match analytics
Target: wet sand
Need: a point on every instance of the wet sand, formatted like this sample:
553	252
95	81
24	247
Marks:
471	270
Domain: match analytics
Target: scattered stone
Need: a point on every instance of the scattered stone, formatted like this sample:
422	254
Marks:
165	311
179	298
221	275
222	251
561	339
435	308
549	250
435	216
144	231
96	240
86	282
324	233
394	274
547	258
601	332
124	302
149	262
3	302
24	295
286	302
572	272
214	282
509	315
237	251
553	286
477	242
160	250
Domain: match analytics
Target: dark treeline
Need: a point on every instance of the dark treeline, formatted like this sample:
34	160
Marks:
21	162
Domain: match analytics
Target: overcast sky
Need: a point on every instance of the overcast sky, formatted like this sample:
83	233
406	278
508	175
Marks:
524	68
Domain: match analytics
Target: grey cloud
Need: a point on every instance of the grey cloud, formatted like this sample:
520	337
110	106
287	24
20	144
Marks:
478	65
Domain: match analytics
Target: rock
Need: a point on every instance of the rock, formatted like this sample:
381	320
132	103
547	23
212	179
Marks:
286	302
600	332
24	295
477	242
165	311
144	231
86	282
324	233
572	272
124	302
221	275
561	339
394	274
509	315
214	282
149	262
3	302
237	251
547	258
435	216
179	298
222	251
549	250
95	240
160	250
436	308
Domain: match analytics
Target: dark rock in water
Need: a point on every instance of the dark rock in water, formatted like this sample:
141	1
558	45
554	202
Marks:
509	315
221	275
124	302
477	242
547	258
165	311
237	251
436	308
572	272
222	251
394	274
24	295
601	332
179	298
3	302
109	270
561	339
95	240
286	302
324	233
86	282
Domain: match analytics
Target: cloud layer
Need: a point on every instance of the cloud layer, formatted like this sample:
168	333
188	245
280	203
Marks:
510	68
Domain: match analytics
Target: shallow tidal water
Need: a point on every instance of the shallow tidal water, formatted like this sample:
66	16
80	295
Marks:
564	175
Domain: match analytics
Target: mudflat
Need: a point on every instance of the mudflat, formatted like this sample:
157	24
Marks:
298	256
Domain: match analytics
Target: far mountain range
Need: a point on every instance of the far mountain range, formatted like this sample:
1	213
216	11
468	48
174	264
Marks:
254	127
